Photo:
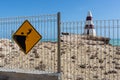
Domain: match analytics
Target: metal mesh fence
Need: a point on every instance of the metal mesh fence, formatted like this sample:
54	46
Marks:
82	57
86	57
43	56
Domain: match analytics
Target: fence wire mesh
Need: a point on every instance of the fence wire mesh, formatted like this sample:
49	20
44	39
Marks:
43	56
83	57
86	57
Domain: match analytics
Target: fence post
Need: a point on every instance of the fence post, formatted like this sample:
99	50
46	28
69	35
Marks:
12	32
59	40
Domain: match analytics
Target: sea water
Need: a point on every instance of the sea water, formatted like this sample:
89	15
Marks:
115	42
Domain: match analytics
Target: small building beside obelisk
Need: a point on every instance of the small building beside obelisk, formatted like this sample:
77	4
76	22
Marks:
89	25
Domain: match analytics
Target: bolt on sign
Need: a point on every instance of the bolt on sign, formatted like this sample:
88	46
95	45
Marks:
26	37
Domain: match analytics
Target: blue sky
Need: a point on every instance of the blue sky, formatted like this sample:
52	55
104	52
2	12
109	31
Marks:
70	9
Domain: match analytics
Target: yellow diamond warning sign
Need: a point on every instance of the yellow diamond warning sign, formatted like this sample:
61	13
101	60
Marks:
26	37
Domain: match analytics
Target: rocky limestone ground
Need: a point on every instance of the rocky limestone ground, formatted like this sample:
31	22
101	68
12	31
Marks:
81	59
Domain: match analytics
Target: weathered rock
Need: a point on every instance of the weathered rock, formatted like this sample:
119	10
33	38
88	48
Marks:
118	53
97	38
117	67
73	57
96	77
105	79
93	56
1	48
79	78
112	72
101	67
101	61
82	66
41	66
79	57
62	40
65	33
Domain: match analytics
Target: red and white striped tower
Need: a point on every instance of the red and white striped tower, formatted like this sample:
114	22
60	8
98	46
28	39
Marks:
89	26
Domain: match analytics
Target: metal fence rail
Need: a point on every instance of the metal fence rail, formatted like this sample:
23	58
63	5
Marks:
43	57
85	57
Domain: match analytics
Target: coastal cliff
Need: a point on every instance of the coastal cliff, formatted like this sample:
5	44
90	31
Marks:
82	57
